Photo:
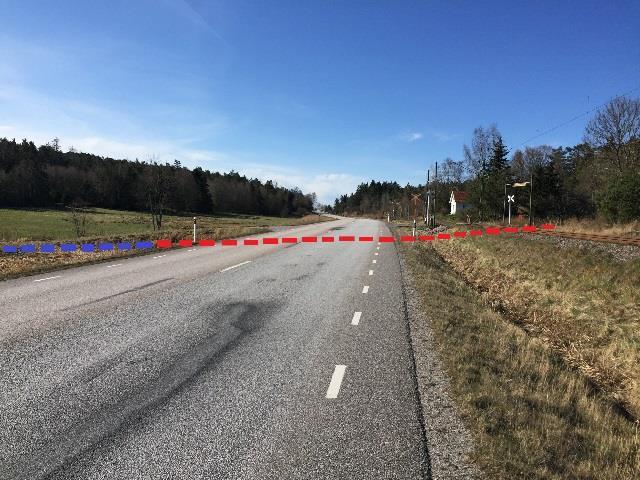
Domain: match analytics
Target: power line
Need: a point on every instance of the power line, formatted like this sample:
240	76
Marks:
553	129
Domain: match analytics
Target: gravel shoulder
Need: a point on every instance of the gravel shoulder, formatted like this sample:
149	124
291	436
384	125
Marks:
448	440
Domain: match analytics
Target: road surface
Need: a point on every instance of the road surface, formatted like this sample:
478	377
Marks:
253	362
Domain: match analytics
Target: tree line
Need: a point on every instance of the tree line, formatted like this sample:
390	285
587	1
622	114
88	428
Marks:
599	177
45	176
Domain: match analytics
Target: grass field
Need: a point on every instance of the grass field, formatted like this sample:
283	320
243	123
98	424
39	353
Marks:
541	348
17	226
46	225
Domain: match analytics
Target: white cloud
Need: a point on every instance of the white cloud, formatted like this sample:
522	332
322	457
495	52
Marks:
444	137
327	186
411	136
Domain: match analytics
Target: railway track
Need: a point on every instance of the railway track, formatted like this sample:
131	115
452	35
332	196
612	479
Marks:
593	237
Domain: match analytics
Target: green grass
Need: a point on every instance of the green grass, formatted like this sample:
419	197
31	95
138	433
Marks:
49	225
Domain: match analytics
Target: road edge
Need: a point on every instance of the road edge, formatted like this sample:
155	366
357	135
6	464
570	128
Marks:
448	443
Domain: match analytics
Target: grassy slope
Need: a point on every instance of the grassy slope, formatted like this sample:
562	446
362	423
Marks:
531	415
584	304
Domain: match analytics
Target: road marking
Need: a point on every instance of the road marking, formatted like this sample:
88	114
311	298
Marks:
48	278
161	256
375	261
365	289
336	381
116	265
235	266
376	254
377	248
370	272
356	318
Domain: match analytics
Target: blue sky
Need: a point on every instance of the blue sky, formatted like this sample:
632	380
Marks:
319	94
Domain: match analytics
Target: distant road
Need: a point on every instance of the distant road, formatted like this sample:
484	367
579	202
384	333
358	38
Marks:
258	362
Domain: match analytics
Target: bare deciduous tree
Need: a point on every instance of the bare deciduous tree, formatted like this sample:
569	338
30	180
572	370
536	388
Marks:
452	171
157	183
477	157
615	129
79	219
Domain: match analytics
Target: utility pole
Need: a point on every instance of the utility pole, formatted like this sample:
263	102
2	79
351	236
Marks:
428	218
530	195
482	188
426	186
435	195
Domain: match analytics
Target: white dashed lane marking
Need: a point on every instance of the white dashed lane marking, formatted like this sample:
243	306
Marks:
235	266
336	381
116	265
356	318
375	261
370	272
48	278
365	289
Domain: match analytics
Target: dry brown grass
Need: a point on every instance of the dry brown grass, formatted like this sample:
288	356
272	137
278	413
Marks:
631	229
116	226
12	265
532	416
583	304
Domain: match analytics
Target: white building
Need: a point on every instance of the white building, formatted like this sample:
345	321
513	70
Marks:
458	201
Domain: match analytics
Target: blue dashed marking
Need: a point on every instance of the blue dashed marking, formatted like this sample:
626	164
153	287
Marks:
72	247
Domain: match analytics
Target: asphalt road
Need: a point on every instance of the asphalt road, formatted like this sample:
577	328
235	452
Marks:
225	362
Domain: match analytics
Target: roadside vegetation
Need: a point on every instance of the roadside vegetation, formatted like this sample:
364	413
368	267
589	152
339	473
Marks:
598	179
600	226
541	347
93	225
99	223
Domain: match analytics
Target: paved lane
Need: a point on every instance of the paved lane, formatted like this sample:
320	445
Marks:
179	367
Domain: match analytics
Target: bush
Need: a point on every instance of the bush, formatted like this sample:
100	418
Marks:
620	200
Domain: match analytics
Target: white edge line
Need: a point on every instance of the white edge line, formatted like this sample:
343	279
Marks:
356	318
336	381
48	278
235	266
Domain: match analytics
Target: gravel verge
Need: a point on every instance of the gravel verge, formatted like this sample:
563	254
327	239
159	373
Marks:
448	441
621	253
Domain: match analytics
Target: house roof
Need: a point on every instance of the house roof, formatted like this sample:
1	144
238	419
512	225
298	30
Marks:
459	196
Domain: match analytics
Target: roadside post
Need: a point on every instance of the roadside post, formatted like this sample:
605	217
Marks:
510	201
194	230
414	228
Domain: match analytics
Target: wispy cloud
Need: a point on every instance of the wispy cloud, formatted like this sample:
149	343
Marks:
327	185
444	137
411	136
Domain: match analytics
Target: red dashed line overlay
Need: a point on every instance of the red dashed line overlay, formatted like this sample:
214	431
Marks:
492	231
166	243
